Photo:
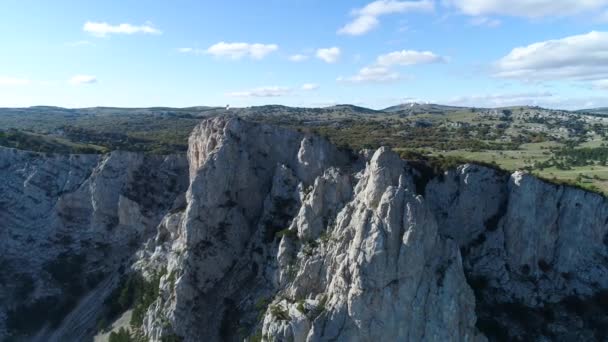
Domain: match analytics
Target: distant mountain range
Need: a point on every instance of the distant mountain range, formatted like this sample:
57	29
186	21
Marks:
600	110
409	108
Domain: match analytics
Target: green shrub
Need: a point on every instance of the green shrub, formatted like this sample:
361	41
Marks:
279	313
286	233
144	297
301	307
123	335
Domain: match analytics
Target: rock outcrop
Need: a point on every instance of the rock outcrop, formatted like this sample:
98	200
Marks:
535	253
68	224
281	236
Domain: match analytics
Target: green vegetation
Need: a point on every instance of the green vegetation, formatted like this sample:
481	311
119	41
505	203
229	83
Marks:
320	308
257	337
133	292
325	237
123	335
279	313
42	143
145	294
286	233
301	306
99	130
559	146
261	306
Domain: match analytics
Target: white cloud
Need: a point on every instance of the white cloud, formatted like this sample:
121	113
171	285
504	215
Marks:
372	74
329	55
542	99
381	71
600	84
485	21
102	29
298	58
82	79
309	86
186	50
273	91
527	8
14	81
408	57
366	18
503	100
240	50
581	57
359	26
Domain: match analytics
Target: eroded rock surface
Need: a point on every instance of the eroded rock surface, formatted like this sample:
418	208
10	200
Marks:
326	246
281	236
67	225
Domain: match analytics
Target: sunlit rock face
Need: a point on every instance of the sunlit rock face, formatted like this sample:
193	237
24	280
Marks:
279	217
266	233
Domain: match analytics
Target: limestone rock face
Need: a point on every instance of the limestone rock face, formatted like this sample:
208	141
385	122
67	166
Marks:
243	190
320	245
67	223
382	272
533	251
262	232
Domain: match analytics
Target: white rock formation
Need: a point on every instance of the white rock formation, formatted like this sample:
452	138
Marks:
359	254
281	236
382	272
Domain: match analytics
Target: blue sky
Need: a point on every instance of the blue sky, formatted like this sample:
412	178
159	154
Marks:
130	53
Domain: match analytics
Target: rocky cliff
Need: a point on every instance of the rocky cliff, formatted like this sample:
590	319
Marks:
270	234
69	227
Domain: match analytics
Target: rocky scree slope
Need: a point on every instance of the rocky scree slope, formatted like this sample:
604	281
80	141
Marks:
281	236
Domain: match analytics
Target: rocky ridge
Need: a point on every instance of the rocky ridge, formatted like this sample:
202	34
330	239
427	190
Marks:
282	236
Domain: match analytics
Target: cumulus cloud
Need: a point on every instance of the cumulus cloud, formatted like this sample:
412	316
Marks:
408	57
382	70
527	8
14	81
239	50
298	58
329	55
580	57
82	79
372	74
272	91
309	86
359	26
103	29
366	18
